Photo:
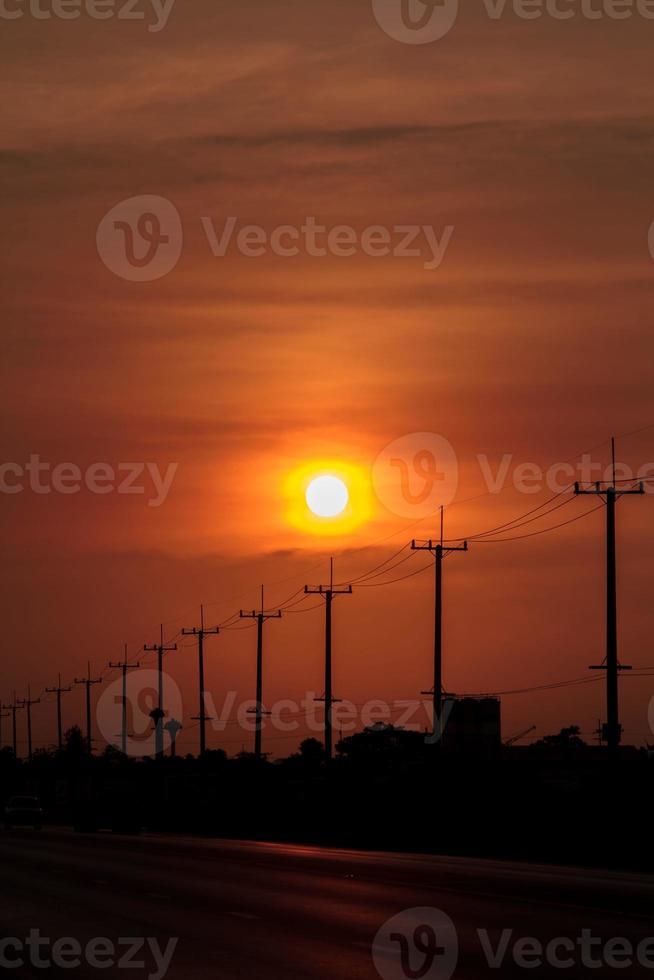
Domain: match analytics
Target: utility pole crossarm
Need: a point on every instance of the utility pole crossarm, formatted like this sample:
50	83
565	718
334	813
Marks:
324	589
245	614
205	631
28	702
433	545
601	490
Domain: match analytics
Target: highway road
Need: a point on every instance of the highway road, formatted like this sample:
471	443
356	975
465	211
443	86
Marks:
278	912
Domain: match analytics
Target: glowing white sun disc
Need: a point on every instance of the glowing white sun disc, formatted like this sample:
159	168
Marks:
327	496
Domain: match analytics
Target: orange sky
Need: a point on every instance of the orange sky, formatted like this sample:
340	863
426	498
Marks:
531	138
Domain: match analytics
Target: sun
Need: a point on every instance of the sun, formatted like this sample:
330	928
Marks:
327	496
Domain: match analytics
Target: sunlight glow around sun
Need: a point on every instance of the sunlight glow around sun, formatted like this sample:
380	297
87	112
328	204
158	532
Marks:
327	496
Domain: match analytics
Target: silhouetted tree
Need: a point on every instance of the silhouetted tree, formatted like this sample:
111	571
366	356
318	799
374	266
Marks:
74	743
312	752
567	738
381	743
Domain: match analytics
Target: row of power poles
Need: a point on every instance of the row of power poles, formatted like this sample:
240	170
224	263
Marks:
611	733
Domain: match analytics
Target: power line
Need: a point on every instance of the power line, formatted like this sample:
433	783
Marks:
545	530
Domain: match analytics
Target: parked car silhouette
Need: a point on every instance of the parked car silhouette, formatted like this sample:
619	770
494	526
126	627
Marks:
23	811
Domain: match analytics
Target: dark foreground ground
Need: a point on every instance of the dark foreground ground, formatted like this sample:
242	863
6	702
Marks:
281	912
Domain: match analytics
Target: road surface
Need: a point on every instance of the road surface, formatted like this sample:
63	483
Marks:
277	912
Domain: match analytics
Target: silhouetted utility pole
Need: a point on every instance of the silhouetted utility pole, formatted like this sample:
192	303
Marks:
160	649
439	552
599	732
259	711
27	703
123	666
201	632
328	591
58	691
88	682
3	715
13	708
611	494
